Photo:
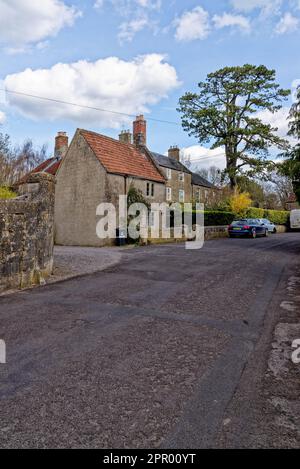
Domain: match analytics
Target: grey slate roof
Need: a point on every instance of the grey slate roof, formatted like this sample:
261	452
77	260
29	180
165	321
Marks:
168	162
198	180
172	163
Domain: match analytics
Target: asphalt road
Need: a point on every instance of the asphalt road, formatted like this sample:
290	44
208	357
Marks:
149	353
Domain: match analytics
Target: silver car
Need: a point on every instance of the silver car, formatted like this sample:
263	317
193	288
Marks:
271	227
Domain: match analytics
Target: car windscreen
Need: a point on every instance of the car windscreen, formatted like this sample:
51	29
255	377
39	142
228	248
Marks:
239	223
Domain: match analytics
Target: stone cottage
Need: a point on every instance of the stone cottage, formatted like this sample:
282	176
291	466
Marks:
96	169
99	169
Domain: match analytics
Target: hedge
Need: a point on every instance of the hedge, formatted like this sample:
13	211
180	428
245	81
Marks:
279	217
216	218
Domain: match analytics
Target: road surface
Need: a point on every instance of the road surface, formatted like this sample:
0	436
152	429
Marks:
164	350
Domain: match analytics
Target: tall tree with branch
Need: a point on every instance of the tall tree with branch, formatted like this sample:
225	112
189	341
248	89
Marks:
291	166
224	112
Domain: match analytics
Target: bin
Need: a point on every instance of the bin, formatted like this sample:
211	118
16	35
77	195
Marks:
121	237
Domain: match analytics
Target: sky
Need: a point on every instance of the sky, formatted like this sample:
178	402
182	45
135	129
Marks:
134	57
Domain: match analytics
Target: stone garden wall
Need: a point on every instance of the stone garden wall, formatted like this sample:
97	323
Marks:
27	234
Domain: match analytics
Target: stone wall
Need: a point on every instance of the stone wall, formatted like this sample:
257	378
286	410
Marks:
27	234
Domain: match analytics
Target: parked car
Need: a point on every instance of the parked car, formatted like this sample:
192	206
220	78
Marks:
271	227
250	227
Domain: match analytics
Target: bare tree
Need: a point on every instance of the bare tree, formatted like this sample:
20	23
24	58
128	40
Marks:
15	162
213	175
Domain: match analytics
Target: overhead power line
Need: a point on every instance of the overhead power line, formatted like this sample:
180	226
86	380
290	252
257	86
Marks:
59	101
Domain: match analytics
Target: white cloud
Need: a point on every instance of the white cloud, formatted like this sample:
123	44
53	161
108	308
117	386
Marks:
137	15
277	120
111	83
295	89
287	24
230	20
2	117
23	22
123	5
268	6
129	29
192	25
201	157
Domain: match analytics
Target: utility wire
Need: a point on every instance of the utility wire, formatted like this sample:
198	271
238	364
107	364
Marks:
84	107
99	110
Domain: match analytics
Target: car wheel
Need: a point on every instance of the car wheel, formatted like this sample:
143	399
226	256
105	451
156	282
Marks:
254	235
274	231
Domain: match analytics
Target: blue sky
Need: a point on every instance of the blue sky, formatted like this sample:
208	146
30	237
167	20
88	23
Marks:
133	56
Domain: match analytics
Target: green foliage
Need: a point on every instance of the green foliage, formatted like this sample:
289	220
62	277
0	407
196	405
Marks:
291	166
215	218
135	196
254	189
6	193
279	217
239	203
224	112
254	212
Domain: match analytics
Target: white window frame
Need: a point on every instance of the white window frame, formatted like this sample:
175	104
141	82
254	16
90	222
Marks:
181	177
151	219
168	194
169	173
181	196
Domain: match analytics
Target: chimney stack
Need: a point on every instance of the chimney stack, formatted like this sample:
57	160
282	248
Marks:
61	145
125	136
174	152
140	131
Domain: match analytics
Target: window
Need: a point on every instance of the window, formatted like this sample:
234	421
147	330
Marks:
169	194
150	189
151	219
198	195
169	173
181	177
181	196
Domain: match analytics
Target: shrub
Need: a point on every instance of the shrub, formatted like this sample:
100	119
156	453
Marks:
279	217
6	193
239	203
215	218
253	212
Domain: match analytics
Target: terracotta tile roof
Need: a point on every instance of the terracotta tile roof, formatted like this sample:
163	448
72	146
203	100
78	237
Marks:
49	166
122	158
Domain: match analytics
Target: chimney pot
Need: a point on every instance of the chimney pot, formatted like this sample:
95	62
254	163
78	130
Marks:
174	152
140	131
61	144
125	136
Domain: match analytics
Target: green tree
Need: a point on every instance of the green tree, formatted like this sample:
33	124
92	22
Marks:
291	166
253	188
224	112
